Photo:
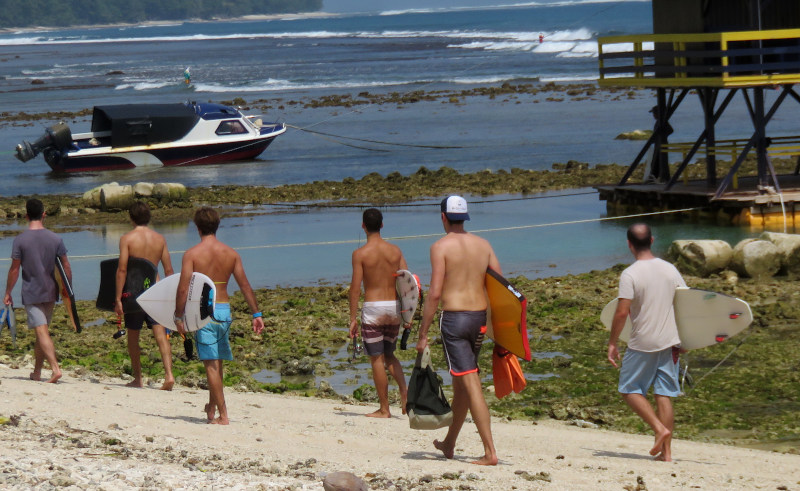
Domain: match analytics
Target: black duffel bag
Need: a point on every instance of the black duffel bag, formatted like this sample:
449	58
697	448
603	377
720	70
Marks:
427	406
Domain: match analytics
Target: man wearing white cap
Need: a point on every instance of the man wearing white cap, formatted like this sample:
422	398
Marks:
458	263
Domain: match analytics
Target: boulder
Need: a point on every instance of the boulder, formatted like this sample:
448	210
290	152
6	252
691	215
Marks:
789	247
170	190
143	189
756	258
91	198
343	481
116	197
700	257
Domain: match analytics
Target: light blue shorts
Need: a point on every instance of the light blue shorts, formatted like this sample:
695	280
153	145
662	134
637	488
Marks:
642	370
212	340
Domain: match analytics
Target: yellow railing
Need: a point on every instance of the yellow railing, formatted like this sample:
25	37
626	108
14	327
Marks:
782	146
724	59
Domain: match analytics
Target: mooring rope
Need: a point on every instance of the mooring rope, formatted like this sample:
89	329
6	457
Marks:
370	141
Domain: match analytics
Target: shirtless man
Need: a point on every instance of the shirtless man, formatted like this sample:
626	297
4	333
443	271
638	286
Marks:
646	291
458	269
145	243
35	251
375	264
217	261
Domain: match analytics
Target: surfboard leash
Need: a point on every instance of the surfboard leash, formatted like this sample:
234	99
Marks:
693	385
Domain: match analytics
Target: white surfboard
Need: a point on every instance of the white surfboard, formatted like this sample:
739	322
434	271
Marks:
704	318
408	290
159	301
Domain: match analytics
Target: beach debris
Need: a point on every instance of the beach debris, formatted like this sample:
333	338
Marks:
640	485
343	481
580	423
539	476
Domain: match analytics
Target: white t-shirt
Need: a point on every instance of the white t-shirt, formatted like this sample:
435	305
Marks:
650	285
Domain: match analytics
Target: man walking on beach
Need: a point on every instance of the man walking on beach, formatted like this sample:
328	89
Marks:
35	251
646	291
375	265
144	243
217	261
458	268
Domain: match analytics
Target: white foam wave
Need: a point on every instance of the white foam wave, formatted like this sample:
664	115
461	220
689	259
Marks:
554	47
542	4
143	85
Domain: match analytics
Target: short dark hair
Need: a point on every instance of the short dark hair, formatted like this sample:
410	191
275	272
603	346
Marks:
34	209
452	222
640	236
373	219
139	213
207	220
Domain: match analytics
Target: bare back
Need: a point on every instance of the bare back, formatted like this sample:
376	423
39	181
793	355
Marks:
145	243
378	261
215	260
465	257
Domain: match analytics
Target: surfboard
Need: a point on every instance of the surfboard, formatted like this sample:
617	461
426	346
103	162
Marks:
409	292
158	301
67	295
141	275
704	318
506	319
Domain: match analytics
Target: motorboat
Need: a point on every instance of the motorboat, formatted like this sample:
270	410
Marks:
137	135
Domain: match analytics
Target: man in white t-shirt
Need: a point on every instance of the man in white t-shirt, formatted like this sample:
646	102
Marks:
646	291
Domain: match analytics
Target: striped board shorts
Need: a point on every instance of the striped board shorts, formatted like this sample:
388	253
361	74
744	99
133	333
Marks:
380	325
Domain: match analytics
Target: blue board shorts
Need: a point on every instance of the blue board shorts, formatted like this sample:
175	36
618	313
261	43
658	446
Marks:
642	370
462	336
212	340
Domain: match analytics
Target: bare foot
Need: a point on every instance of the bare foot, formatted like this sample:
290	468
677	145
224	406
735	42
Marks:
54	377
661	437
167	385
210	410
486	460
135	383
663	457
219	421
35	376
448	451
379	414
403	400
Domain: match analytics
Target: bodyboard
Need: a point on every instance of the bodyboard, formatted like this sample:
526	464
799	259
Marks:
704	318
408	292
159	301
141	275
506	320
67	295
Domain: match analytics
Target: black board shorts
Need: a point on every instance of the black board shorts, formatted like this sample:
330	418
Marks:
462	336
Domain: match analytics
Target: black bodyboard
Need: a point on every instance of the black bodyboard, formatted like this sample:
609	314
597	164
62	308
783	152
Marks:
141	276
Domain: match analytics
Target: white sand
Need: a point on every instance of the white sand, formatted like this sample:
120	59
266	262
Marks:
65	437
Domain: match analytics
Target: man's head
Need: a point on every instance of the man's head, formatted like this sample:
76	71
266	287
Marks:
34	209
372	220
139	213
207	220
455	209
640	237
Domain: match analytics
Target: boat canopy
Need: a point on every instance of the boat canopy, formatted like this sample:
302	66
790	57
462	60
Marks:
144	124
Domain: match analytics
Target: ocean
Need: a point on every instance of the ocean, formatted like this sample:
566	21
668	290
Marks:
301	58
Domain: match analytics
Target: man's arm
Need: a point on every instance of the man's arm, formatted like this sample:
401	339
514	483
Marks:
166	261
187	268
434	295
355	292
122	274
67	268
620	317
494	263
13	276
250	297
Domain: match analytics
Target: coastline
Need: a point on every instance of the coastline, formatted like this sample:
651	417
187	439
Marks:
113	436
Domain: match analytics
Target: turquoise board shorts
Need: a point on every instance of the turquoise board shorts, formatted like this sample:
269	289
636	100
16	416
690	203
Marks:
212	340
641	370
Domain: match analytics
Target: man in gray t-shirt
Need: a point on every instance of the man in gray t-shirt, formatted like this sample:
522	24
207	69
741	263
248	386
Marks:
646	292
35	251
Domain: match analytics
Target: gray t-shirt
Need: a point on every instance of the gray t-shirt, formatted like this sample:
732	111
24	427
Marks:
37	251
650	285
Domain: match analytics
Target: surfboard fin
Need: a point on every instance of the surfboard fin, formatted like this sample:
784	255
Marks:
506	372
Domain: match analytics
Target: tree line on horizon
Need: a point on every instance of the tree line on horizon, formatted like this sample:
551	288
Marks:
60	13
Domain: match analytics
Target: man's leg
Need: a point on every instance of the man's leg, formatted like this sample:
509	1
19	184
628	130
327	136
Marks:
135	353
38	359
46	350
666	415
642	407
381	386
396	369
214	376
480	414
166	355
460	406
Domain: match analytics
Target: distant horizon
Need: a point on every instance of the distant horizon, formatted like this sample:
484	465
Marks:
373	6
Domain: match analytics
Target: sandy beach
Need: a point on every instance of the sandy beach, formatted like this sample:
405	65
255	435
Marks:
92	433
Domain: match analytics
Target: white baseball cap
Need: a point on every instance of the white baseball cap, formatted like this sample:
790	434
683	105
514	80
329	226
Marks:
455	208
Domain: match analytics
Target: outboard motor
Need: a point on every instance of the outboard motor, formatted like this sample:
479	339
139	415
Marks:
57	136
